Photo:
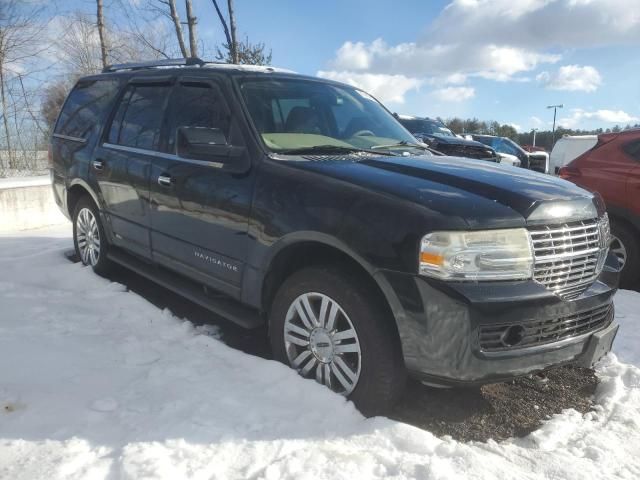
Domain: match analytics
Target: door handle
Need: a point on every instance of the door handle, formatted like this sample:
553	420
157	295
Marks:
165	181
98	164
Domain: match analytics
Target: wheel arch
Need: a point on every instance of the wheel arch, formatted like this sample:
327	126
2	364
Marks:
78	188
302	250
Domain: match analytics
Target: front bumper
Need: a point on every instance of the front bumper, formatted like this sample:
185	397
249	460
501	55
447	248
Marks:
439	325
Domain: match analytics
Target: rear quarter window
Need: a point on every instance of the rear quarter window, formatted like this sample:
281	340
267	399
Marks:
85	108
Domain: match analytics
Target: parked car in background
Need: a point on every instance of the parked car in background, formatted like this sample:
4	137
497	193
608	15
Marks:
568	148
301	206
533	148
612	168
436	134
538	161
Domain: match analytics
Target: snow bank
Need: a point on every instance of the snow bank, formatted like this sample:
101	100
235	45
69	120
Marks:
97	383
27	202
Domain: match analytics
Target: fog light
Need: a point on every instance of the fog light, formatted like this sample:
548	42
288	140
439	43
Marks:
513	335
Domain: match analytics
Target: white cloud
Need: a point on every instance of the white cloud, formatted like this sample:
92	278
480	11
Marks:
454	94
572	78
451	63
501	40
517	126
386	88
539	24
578	116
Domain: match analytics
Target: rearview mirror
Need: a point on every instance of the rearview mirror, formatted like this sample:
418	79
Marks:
210	145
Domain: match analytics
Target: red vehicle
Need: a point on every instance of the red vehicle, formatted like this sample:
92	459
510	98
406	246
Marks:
612	168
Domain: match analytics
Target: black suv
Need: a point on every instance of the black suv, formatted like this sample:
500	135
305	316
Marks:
436	134
300	203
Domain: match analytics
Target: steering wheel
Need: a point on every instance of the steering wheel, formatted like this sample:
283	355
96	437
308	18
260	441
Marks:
363	133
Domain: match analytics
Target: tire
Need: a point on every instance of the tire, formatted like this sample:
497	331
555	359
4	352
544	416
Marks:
373	354
624	244
89	239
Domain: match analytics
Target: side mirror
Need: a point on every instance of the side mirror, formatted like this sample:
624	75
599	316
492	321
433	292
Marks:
210	144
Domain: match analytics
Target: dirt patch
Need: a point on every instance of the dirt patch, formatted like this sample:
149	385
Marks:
498	411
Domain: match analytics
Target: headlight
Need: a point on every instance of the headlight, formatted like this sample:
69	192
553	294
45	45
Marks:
480	255
605	230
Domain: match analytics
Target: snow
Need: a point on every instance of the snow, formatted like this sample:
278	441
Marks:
96	383
32	181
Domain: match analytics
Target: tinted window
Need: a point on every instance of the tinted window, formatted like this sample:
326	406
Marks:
490	141
138	120
428	127
198	105
86	107
633	149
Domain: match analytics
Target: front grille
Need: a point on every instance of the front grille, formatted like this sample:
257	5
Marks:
538	162
495	338
568	257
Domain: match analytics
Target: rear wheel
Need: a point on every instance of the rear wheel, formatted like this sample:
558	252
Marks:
624	245
330	328
88	236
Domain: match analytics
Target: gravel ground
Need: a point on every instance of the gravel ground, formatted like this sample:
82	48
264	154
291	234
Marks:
496	411
500	410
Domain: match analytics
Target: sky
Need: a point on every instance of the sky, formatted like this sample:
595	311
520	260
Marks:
503	60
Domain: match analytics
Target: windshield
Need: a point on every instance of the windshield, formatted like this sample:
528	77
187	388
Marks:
429	127
294	114
501	144
512	146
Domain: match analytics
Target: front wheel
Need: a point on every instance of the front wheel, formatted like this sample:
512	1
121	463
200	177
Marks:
326	325
88	236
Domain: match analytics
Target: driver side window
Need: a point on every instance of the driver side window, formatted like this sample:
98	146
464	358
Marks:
199	117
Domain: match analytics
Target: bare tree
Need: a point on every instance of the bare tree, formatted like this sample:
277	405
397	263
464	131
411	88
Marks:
78	48
191	23
101	34
175	18
20	35
230	45
145	32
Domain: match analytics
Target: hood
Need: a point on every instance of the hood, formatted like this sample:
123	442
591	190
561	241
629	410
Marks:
508	159
454	141
480	193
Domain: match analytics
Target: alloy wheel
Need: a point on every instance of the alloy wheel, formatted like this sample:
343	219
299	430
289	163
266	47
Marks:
322	343
88	237
618	249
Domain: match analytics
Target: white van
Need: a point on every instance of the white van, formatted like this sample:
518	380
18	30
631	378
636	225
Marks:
567	148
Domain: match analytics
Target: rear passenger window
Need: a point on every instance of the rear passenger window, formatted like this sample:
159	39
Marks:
138	121
633	149
85	107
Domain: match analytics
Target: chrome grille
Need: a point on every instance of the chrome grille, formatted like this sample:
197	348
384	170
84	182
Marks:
568	257
494	338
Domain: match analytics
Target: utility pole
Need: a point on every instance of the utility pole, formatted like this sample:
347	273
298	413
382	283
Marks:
534	130
191	24
553	132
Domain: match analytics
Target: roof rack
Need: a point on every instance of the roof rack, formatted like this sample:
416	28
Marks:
170	62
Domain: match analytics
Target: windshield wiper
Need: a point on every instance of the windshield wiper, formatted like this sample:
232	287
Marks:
403	143
328	149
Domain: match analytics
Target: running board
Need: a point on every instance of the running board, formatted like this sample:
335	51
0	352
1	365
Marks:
219	304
